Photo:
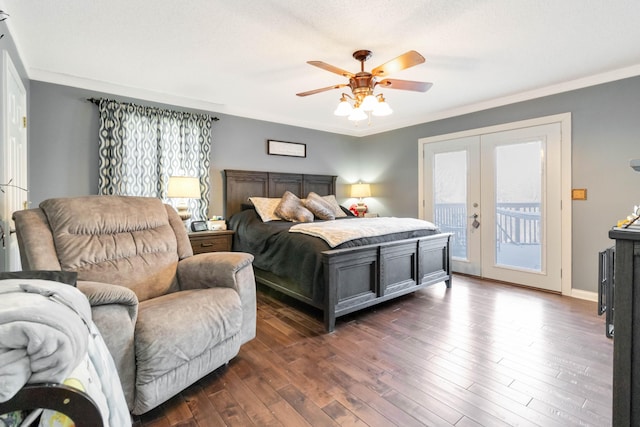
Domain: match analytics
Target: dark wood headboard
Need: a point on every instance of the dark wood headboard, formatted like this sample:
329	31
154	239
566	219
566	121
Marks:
240	185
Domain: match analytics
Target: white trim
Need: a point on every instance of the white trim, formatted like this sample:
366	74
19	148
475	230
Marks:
565	146
585	295
10	78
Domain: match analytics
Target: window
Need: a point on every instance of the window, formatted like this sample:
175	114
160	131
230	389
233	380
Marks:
141	147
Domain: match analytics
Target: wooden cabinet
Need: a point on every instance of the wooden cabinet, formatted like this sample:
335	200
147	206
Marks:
626	339
211	241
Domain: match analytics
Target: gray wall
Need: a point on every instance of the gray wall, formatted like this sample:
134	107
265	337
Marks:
605	136
64	146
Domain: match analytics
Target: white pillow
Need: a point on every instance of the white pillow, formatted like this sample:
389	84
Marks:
266	206
331	198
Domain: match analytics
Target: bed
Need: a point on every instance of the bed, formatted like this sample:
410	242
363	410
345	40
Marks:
339	280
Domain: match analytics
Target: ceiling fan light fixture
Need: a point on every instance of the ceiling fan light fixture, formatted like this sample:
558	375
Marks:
363	103
357	114
382	108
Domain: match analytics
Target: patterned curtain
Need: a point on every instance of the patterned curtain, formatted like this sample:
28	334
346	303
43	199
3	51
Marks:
141	147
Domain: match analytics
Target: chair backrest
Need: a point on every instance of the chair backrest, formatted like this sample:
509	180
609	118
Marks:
134	242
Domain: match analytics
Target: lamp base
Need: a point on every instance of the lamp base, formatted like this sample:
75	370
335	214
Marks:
183	212
361	209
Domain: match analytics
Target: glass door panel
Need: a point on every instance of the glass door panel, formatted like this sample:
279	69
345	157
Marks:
450	198
518	203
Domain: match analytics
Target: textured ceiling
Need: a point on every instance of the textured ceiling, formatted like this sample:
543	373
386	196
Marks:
248	58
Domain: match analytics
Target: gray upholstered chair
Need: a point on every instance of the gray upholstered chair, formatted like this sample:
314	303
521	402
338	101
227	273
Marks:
168	317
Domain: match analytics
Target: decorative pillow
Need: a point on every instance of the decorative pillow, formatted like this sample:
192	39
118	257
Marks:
266	207
334	203
320	208
290	208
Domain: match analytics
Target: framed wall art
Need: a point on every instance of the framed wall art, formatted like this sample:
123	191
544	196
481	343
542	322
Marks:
282	148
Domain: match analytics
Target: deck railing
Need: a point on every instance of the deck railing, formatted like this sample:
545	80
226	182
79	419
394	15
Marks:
517	223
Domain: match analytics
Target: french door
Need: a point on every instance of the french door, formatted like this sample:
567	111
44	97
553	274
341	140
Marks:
499	194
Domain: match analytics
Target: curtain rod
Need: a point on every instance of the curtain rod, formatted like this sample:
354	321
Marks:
96	101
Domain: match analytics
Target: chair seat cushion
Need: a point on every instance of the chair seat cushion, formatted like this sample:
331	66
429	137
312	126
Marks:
176	328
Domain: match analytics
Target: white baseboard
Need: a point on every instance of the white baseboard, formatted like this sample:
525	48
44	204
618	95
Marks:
586	295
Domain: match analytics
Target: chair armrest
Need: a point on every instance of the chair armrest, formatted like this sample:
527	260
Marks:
114	310
212	269
224	269
99	293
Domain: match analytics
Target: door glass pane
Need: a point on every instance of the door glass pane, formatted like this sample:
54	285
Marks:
450	198
518	205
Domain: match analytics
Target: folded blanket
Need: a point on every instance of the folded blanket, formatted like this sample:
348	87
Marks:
337	232
43	332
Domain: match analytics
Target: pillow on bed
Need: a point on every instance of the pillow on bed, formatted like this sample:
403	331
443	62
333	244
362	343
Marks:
266	206
291	208
320	208
331	199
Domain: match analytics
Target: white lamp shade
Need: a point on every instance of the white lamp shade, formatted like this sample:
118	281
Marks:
360	190
183	187
369	103
357	114
382	109
343	109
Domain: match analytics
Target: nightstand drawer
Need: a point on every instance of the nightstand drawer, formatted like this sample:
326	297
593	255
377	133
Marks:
211	241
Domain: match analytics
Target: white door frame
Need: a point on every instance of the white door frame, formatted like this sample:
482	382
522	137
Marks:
565	147
13	163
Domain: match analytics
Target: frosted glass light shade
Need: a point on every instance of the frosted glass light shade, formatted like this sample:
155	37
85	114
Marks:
360	190
382	109
357	114
369	103
343	109
185	187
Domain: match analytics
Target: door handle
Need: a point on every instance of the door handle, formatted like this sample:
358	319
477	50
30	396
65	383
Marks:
475	223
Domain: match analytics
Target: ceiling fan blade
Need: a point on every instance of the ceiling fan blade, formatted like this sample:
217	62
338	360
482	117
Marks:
331	68
405	85
403	61
311	92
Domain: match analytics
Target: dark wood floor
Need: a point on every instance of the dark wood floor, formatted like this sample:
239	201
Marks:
478	354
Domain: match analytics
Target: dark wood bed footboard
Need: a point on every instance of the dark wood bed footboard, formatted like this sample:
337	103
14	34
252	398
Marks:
356	278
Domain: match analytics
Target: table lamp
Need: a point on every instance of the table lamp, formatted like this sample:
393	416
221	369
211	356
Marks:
360	191
183	187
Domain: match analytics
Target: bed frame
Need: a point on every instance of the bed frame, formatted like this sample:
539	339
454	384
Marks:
355	278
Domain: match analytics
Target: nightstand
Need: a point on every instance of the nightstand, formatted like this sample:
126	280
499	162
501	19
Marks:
211	241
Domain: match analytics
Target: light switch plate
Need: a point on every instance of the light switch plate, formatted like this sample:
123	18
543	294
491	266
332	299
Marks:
579	194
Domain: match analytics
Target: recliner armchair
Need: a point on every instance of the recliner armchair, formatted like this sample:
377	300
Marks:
168	317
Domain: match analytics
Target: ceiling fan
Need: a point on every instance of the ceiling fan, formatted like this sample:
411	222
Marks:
363	84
